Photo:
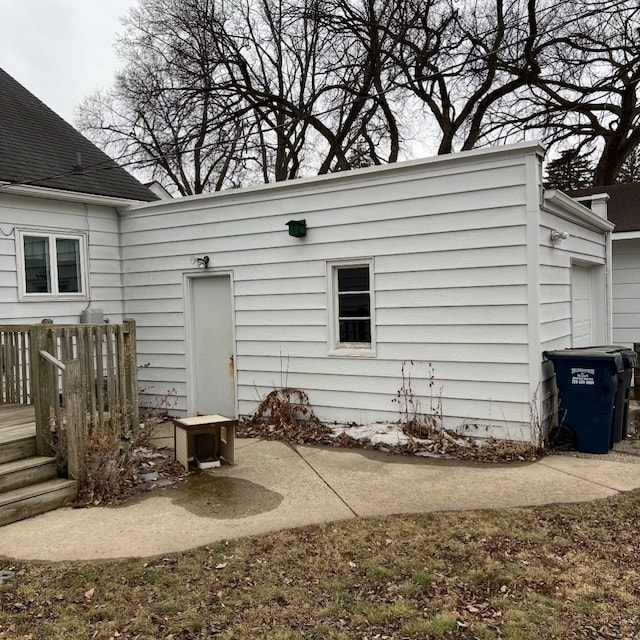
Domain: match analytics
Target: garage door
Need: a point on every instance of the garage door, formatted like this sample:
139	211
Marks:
581	306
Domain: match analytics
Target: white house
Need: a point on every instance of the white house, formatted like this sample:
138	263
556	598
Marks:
461	264
59	224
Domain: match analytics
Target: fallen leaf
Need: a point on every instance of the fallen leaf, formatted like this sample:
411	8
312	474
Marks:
89	594
222	565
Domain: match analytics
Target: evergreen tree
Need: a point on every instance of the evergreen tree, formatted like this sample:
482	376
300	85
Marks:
630	170
572	170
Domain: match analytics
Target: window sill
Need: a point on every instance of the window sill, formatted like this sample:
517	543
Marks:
48	297
352	352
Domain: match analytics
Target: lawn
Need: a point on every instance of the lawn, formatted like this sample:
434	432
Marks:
569	571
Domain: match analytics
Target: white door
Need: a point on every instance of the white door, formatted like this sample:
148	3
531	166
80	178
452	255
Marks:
581	306
212	346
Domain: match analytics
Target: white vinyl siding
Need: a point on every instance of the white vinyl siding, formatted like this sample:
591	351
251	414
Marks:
583	247
626	291
98	225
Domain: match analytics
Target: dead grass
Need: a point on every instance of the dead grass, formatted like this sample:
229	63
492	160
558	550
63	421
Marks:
554	572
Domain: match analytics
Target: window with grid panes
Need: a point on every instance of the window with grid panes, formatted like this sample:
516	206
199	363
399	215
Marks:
353	305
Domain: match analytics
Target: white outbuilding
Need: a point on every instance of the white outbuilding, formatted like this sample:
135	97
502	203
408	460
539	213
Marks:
459	270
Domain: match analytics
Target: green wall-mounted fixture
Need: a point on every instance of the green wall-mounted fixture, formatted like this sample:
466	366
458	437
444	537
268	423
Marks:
297	228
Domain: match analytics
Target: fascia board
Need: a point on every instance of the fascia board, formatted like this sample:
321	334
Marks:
625	235
67	196
566	207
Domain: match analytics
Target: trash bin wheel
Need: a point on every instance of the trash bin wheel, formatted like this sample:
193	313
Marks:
562	438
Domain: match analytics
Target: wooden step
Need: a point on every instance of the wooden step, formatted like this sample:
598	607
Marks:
13	431
17	448
25	502
11	414
22	473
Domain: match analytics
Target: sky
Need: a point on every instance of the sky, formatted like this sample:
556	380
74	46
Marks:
61	50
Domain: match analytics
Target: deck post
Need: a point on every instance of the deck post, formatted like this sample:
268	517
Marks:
74	410
131	372
41	388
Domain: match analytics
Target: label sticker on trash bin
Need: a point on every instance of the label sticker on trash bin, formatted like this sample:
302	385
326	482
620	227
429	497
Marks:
583	376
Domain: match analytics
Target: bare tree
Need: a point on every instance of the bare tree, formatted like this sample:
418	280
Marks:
161	112
461	61
586	93
361	103
216	94
316	77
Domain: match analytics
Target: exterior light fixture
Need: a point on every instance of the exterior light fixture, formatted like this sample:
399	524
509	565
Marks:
201	263
297	228
558	236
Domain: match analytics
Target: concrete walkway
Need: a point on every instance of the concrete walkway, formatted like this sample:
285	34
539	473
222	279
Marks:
275	486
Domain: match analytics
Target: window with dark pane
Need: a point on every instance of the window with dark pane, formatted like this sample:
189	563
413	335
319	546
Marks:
354	305
68	261
36	264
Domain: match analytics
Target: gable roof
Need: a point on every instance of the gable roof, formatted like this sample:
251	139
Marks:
623	208
37	147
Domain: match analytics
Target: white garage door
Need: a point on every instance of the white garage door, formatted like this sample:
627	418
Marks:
581	306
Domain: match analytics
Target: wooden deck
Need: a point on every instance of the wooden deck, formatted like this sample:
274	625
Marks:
17	421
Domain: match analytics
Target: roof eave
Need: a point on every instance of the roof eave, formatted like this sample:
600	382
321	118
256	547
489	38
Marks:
68	196
566	207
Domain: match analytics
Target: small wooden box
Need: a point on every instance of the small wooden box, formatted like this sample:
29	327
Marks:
220	428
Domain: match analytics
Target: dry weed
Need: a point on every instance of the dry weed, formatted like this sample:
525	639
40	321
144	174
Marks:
285	414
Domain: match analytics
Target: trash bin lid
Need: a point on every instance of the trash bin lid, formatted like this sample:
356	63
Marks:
588	354
629	356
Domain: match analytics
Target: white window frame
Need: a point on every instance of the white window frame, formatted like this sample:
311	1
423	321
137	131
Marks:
337	348
54	294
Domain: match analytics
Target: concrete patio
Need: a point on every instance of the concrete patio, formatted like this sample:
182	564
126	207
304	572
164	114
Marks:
275	486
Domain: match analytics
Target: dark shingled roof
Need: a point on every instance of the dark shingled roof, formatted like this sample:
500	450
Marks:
37	147
623	208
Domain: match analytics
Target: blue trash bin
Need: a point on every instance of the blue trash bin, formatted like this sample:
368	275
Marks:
620	425
587	381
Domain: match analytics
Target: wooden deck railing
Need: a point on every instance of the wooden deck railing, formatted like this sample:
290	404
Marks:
75	419
80	378
14	362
